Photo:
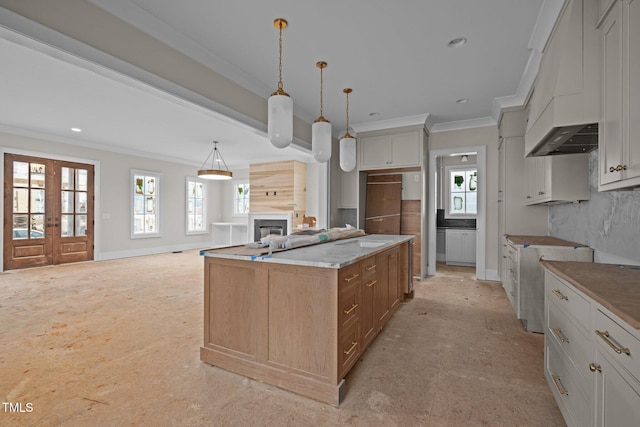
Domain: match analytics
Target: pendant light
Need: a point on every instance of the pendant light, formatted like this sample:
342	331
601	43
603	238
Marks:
347	144
280	105
217	164
321	129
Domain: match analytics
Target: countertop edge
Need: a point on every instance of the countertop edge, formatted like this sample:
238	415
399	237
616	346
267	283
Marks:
393	240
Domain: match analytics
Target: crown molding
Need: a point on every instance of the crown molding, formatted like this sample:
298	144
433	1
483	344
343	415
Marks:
420	119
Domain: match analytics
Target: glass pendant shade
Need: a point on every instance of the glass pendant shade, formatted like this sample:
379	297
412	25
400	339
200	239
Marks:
280	121
280	105
347	153
321	141
347	144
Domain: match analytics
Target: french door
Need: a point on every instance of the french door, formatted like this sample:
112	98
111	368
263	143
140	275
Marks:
48	211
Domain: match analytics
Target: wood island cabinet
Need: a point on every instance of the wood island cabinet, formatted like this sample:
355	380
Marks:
301	328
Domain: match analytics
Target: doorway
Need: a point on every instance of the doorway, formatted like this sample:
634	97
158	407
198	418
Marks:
48	211
481	207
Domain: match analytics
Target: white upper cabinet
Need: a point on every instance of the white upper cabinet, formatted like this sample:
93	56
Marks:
557	179
393	150
619	135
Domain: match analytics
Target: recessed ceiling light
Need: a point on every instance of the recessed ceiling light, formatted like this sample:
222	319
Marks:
457	42
462	100
76	129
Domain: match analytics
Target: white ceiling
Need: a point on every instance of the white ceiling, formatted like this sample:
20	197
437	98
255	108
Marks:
393	54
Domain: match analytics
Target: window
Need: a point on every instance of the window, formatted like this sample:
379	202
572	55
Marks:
196	206
240	198
145	190
462	198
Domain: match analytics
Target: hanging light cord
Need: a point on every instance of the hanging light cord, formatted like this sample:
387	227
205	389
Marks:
216	155
280	24
321	84
347	135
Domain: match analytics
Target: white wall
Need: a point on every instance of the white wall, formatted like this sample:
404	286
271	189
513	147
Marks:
112	215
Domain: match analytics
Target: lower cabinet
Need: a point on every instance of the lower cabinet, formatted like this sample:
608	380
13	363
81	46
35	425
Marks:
591	359
460	247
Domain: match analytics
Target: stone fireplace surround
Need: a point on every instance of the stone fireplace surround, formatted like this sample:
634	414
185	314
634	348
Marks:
268	216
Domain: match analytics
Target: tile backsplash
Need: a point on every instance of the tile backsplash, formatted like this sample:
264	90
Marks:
441	221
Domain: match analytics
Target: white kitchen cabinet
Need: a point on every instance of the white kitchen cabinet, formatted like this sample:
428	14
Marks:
348	190
460	247
514	217
524	279
392	150
591	362
555	179
619	135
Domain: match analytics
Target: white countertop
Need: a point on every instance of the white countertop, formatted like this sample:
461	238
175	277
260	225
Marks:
334	254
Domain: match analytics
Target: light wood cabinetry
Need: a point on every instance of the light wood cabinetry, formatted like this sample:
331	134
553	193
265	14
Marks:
279	187
460	247
619	135
591	361
298	327
553	179
391	150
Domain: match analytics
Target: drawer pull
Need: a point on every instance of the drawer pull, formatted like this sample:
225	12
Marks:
354	344
353	276
605	336
558	333
371	267
559	294
561	390
353	307
593	367
371	283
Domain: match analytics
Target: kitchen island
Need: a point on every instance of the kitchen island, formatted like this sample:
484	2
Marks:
300	319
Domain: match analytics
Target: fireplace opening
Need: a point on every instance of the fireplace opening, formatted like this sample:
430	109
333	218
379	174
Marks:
265	227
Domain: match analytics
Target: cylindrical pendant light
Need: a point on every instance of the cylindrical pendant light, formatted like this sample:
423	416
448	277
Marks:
321	129
280	105
347	144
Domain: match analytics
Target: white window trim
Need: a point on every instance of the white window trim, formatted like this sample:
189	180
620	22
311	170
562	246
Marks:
204	206
447	192
233	209
158	204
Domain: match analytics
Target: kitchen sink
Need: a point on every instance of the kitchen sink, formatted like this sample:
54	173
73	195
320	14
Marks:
364	243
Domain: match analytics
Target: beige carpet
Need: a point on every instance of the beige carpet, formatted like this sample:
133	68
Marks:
116	343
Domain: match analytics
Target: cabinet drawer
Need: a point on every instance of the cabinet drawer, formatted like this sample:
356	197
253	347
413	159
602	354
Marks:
570	339
572	304
349	275
368	268
615	341
348	347
561	377
349	304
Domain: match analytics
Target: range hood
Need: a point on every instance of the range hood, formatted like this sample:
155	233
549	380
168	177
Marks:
568	140
565	105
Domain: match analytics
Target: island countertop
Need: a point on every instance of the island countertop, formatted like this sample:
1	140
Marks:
333	254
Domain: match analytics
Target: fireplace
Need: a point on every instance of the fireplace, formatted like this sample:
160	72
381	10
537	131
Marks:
262	224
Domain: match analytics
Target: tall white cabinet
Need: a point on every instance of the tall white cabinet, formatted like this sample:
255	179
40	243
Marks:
619	133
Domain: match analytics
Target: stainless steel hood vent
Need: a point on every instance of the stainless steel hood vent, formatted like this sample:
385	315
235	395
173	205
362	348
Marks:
568	140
